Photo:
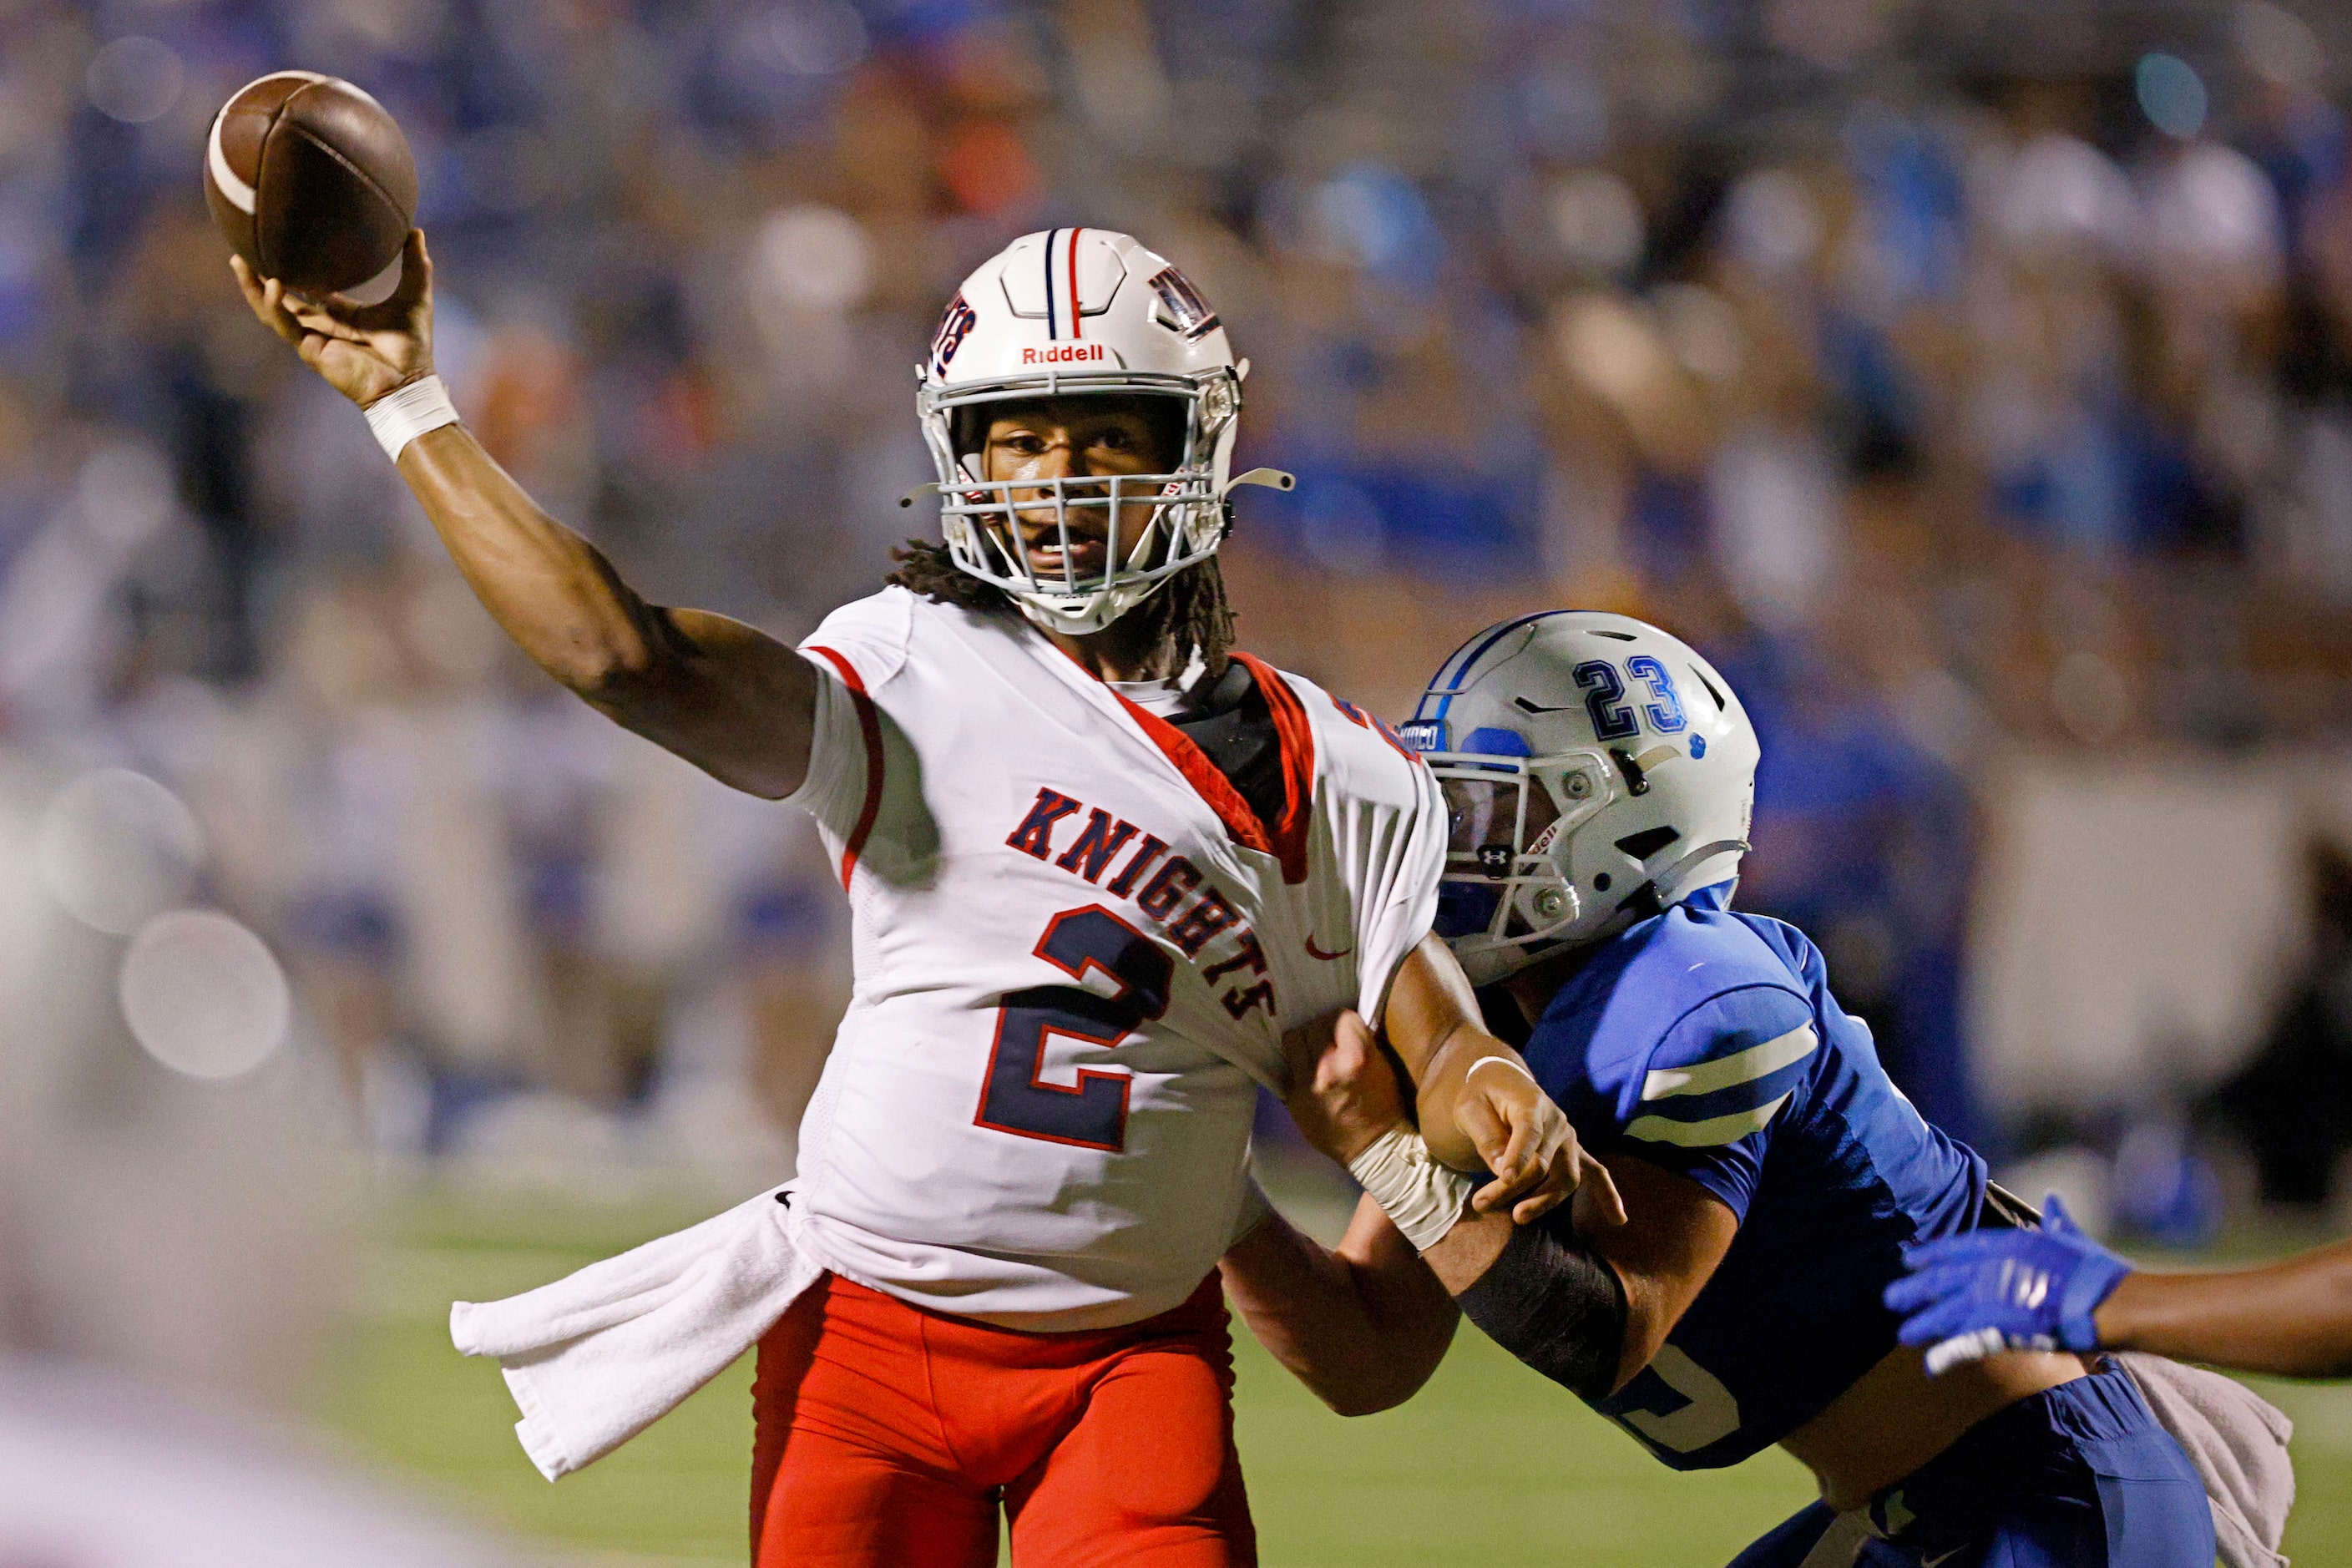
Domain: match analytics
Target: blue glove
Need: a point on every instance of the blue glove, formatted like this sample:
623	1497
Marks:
1968	1296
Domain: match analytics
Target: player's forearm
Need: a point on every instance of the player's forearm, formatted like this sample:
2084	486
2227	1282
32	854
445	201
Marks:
1465	1253
726	697
1442	1085
550	589
2293	1319
1362	1325
1432	1025
1536	1290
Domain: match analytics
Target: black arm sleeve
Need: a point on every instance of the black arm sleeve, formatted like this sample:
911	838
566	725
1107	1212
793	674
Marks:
1551	1302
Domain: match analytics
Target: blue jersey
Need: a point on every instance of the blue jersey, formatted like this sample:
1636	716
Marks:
1708	1043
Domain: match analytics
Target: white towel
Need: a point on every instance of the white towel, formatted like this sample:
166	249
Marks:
2237	1441
599	1355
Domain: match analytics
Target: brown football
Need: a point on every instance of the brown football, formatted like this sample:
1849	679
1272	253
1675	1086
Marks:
310	180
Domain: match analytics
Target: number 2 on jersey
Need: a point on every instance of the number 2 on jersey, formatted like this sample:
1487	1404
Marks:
1092	1112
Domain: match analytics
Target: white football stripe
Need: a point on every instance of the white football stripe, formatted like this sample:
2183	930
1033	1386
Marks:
1755	1062
239	193
1708	1133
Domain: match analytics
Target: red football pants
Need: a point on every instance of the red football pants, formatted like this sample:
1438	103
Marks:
888	1437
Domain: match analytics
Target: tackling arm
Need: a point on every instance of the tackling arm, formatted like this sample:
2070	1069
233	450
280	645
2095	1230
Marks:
727	698
1590	1307
1587	1304
1477	1104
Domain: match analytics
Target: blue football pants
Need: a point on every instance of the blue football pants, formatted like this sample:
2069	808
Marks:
2080	1476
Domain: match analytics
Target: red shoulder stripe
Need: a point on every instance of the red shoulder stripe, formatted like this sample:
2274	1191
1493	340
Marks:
1297	739
869	726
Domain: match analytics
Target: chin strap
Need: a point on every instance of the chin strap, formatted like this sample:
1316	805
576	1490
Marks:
1653	896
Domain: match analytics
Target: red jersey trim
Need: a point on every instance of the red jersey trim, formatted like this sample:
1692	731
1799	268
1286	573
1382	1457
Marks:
1287	840
869	726
1242	825
1297	739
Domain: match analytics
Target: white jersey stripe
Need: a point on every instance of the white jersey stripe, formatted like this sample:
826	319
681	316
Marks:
1741	1067
1704	1134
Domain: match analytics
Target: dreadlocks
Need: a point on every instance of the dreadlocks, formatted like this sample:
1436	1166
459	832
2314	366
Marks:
1189	615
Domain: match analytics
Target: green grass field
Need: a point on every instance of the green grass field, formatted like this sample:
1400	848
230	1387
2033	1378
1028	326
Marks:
1490	1466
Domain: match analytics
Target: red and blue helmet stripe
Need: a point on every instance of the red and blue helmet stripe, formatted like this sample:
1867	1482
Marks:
1063	262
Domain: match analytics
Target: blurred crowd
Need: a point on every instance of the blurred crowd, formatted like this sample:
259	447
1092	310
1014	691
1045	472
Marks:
1970	387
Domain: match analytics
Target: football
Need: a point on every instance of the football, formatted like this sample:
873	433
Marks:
310	180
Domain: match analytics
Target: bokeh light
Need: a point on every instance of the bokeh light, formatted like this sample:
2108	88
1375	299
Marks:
1771	222
815	258
116	849
816	39
1597	220
135	80
2171	94
204	995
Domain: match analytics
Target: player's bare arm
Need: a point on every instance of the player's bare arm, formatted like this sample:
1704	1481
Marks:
1475	1102
1590	1304
1656	1235
1363	1324
726	697
2291	1319
1674	1237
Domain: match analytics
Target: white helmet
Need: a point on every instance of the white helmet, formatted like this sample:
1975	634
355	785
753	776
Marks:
1595	770
1082	312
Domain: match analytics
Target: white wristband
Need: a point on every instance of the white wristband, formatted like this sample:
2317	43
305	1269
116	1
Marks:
1421	1197
405	413
1517	1066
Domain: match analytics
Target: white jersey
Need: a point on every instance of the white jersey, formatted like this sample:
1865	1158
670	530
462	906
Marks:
1077	951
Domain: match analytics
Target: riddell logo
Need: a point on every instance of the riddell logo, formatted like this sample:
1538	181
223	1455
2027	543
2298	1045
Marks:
1064	354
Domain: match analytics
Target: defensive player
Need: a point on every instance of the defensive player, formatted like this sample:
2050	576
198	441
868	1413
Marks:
1096	862
1600	776
2056	1288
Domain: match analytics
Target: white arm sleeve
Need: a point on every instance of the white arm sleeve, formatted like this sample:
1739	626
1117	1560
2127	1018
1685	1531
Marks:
1401	852
834	791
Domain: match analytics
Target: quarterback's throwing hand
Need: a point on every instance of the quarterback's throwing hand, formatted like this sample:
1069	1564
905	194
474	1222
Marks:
362	351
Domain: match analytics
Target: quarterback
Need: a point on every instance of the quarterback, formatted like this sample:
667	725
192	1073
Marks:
1097	863
1599	774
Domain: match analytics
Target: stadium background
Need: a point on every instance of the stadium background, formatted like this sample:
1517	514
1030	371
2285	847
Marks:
1974	382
